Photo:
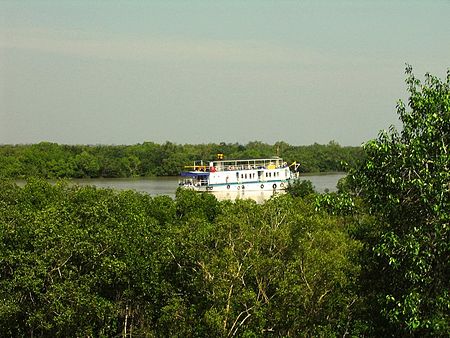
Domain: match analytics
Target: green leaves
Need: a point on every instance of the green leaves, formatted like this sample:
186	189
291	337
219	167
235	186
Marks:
74	258
265	268
78	261
300	188
404	182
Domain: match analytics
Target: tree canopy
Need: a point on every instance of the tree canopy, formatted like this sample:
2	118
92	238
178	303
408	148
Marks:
81	261
405	181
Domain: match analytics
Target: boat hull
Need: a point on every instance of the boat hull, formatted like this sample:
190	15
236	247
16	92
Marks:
269	186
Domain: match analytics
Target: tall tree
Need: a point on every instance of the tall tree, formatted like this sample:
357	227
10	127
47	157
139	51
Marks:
405	180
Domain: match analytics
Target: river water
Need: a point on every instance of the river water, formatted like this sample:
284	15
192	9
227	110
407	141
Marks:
168	185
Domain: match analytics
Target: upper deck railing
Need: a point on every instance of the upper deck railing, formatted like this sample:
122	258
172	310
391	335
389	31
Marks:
228	165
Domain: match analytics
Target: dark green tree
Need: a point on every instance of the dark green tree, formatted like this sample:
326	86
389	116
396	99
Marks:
300	188
252	270
78	261
87	165
405	181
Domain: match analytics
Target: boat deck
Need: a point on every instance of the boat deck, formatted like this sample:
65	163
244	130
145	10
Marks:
233	165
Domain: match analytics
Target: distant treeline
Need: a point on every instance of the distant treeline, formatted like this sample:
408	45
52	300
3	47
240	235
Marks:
52	160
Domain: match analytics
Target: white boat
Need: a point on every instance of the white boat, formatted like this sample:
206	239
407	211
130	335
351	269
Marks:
252	175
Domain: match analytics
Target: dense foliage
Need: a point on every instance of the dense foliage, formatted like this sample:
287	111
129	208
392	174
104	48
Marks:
81	261
405	182
50	160
371	260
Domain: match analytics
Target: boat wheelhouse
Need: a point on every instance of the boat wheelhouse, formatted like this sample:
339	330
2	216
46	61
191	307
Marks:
271	174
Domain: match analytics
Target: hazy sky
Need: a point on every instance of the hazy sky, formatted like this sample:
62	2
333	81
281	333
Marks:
125	72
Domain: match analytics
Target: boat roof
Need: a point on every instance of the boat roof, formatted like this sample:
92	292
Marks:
253	161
